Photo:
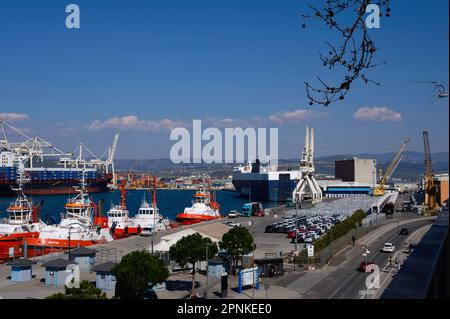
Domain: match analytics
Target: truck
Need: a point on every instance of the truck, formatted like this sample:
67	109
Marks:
252	209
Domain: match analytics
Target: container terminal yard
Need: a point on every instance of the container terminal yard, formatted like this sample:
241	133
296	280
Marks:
316	239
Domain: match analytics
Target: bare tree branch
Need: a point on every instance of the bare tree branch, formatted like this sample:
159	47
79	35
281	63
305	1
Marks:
439	88
354	54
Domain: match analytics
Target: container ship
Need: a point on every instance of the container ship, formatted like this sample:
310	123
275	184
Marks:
48	170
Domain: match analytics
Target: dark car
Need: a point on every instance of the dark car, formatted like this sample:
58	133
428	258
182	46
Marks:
279	229
404	231
269	229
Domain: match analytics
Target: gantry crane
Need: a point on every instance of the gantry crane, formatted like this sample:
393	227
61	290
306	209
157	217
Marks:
379	191
429	187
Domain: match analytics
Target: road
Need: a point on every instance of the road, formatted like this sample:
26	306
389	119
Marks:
346	282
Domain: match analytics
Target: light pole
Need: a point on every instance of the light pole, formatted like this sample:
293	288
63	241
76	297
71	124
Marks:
366	254
253	263
151	235
206	283
70	228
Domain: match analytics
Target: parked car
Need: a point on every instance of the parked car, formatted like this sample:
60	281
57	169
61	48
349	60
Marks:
279	229
231	224
388	248
308	240
363	266
146	231
292	233
404	231
269	229
233	214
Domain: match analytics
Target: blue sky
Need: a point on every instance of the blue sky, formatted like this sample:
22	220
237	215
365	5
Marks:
166	62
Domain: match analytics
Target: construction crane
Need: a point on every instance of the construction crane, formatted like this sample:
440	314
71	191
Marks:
429	187
379	191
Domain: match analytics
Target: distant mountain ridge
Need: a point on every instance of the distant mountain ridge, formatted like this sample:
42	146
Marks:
411	166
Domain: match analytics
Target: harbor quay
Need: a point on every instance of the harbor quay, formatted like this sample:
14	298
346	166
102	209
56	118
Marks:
179	283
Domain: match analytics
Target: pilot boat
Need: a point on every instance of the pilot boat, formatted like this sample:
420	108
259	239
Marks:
22	222
204	208
76	229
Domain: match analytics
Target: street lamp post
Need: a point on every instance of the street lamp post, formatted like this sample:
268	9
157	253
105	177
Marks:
70	228
366	254
206	281
206	288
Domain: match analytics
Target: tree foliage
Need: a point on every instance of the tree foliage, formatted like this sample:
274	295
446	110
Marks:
86	291
237	242
137	272
190	250
355	51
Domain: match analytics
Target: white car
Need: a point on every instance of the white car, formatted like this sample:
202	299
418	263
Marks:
146	231
233	214
232	224
388	248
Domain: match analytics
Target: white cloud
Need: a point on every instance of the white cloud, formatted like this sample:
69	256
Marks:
293	116
377	114
14	117
254	121
133	123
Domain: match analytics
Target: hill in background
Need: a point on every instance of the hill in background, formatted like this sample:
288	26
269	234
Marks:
410	168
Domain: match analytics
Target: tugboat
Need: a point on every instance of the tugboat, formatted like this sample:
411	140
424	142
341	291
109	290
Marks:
148	218
76	229
22	223
119	222
204	207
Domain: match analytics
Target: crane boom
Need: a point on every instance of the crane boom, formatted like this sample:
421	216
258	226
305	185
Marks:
430	189
379	191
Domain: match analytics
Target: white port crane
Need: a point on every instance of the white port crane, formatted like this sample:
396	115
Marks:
307	187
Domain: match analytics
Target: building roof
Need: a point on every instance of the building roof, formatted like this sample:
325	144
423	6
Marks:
213	231
58	263
105	267
82	251
21	262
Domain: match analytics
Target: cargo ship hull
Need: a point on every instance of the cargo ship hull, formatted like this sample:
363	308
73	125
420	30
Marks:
52	181
266	187
189	219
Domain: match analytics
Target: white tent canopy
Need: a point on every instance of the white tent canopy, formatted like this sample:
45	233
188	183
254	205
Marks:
169	240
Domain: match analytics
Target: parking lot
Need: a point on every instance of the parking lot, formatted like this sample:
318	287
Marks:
304	229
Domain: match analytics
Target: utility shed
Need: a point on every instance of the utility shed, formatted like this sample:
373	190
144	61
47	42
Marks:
84	257
21	270
270	267
55	272
104	279
216	267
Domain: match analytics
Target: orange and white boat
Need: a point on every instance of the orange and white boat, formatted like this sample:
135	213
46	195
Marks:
148	218
76	229
119	222
204	207
22	223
